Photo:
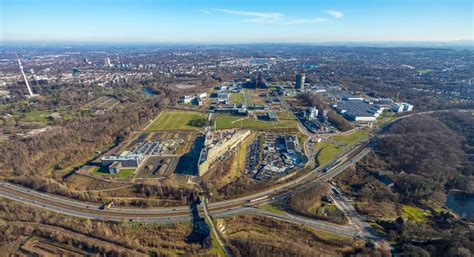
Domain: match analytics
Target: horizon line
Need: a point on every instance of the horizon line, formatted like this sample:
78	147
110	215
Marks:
237	42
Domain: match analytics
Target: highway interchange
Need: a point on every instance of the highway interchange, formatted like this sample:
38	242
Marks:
357	227
242	205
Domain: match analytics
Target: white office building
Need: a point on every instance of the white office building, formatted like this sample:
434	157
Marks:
402	107
313	113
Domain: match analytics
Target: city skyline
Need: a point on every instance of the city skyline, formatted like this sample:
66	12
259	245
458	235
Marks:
236	21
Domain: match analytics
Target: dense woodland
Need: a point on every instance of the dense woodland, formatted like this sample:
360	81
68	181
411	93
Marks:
425	156
114	238
429	154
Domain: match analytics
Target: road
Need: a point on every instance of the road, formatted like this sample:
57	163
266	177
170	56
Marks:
241	205
345	205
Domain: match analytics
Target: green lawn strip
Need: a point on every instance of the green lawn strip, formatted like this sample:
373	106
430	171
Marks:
123	173
385	121
351	139
286	116
301	139
216	248
273	207
249	99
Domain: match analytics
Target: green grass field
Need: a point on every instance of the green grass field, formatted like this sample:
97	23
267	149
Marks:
351	139
273	207
124	173
34	116
237	98
414	214
286	116
229	122
175	120
42	116
328	152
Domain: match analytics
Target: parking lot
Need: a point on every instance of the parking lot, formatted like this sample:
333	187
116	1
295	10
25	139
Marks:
157	147
156	167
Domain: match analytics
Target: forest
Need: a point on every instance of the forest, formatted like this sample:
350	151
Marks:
424	156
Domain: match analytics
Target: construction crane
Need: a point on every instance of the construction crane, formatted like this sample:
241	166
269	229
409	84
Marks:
30	92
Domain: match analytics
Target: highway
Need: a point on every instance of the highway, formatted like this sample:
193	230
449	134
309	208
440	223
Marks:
241	205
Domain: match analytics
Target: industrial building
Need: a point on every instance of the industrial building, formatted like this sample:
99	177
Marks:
299	81
271	116
107	62
196	99
357	110
210	153
125	160
313	113
281	153
402	107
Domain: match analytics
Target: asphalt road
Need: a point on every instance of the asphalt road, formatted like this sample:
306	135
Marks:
242	205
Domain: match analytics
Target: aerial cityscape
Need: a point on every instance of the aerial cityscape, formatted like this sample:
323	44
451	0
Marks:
208	128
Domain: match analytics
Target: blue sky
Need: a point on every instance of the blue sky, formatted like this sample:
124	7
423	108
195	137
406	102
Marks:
235	20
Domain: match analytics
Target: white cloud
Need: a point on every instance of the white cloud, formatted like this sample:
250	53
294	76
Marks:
268	17
334	13
204	11
258	17
305	21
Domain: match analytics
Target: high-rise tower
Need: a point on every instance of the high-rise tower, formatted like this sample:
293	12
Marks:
299	83
30	92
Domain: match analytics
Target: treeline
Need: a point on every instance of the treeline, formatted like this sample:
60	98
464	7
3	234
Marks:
246	185
65	146
302	201
456	242
160	195
242	185
51	186
70	144
199	123
113	233
11	232
113	238
315	100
